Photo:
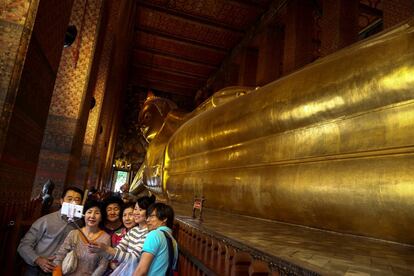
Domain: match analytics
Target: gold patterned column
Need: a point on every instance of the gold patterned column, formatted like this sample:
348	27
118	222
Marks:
64	127
32	37
16	24
99	164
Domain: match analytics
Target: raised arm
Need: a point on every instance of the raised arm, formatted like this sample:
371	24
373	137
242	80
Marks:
130	246
103	262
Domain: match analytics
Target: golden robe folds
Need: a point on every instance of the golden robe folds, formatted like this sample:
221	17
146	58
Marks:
329	146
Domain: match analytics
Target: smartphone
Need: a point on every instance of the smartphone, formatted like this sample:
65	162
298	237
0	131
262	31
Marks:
71	210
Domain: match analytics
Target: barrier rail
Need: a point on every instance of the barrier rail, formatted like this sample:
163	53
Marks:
203	254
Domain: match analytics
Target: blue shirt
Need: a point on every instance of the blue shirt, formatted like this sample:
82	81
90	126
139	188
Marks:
156	245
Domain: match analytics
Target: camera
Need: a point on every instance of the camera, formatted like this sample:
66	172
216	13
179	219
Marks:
71	211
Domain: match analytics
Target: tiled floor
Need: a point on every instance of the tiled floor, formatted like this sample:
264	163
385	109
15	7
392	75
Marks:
324	252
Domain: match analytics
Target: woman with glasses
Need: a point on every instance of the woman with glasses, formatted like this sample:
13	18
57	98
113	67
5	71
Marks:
160	252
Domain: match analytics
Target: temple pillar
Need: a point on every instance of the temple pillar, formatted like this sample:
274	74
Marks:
232	74
270	62
32	35
396	11
248	67
78	171
105	131
339	24
66	122
16	26
299	24
219	83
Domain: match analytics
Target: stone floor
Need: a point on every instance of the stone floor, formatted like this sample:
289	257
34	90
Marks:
324	252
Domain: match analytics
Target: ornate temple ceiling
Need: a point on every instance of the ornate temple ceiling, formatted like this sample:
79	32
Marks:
178	44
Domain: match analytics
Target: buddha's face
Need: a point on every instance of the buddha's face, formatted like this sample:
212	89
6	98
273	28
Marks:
151	119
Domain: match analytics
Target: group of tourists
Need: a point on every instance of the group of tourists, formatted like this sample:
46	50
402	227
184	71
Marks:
113	238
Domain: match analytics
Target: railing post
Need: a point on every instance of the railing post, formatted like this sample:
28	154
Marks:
228	263
187	270
180	233
241	264
214	254
220	265
193	245
259	268
190	240
202	248
186	242
198	244
207	251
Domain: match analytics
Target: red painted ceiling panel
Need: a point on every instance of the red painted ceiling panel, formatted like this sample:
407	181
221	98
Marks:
178	49
179	44
172	64
175	26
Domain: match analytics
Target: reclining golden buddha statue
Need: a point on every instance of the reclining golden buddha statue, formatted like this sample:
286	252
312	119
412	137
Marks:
329	146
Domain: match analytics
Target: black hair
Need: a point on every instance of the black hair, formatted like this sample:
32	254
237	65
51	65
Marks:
92	203
146	201
112	200
72	188
162	211
128	205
